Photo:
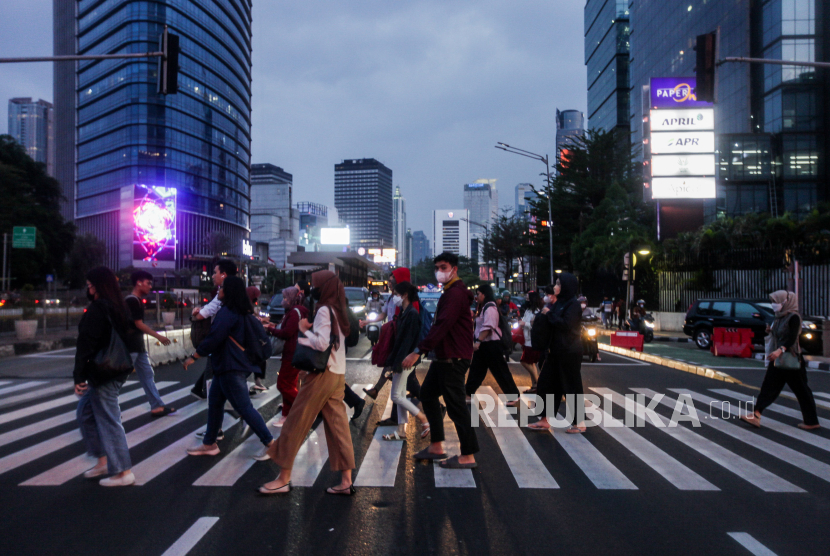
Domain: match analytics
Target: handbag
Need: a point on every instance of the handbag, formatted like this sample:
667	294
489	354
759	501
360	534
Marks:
278	344
199	329
311	360
113	361
788	361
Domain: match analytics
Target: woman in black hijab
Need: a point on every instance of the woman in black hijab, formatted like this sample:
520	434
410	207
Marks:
562	374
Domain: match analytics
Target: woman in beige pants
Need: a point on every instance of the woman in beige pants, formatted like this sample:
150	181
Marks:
320	392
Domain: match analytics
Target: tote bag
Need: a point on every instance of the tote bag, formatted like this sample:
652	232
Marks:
112	361
312	360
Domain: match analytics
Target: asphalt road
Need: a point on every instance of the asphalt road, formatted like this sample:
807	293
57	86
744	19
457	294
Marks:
716	488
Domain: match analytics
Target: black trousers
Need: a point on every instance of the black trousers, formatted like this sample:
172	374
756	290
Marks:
489	355
561	375
447	379
351	398
774	382
413	387
201	383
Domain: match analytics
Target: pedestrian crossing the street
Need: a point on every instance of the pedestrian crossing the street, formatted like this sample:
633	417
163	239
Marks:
635	443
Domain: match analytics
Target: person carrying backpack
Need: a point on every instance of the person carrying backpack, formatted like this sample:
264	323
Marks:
487	347
231	366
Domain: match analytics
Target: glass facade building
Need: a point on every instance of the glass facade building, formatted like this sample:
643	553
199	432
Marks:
197	141
30	123
421	248
607	60
570	124
399	227
363	199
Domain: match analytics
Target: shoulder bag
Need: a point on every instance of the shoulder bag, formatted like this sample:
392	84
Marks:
790	360
311	360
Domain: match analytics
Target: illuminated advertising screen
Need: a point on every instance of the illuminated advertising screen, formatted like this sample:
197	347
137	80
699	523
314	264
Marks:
334	236
383	256
668	142
683	165
683	120
154	226
675	92
683	188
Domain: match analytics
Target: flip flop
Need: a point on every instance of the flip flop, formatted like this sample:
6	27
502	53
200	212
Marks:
575	430
393	436
260	388
425	431
453	463
805	427
348	491
166	410
428	456
542	428
754	420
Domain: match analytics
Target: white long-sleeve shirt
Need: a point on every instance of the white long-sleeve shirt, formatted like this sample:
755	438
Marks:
319	337
209	310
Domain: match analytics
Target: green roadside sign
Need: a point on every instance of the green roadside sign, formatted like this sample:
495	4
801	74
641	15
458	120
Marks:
23	237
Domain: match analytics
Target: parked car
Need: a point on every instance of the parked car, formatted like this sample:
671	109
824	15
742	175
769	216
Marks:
356	298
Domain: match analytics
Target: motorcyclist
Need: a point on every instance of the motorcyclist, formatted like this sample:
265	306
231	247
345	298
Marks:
587	312
374	305
507	307
638	311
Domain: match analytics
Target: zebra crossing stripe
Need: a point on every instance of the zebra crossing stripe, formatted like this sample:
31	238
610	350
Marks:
777	408
36	393
524	462
802	461
452	478
2	382
191	537
748	541
596	466
45	406
821	395
22	457
742	467
63	418
769	423
380	463
21	386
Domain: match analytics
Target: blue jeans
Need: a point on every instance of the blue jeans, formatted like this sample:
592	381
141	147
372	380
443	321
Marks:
99	417
145	374
232	386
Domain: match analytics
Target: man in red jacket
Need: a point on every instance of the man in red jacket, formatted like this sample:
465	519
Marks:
451	338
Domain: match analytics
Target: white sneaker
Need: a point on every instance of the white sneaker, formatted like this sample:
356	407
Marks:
126	480
203	450
95	472
262	455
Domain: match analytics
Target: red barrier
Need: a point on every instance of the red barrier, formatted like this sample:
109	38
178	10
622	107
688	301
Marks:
627	340
732	342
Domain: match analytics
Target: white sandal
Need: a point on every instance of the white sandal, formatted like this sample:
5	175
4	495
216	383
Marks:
394	436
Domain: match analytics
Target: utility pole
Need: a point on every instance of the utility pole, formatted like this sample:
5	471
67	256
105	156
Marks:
3	278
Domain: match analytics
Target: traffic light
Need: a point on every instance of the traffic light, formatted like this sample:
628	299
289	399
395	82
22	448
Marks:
706	49
168	74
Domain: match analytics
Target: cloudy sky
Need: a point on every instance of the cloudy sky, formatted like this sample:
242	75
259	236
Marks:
426	87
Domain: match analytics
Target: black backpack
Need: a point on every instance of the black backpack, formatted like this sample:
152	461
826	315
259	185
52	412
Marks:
256	343
541	333
354	330
506	334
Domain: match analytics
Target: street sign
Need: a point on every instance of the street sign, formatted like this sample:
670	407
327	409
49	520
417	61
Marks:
23	237
50	277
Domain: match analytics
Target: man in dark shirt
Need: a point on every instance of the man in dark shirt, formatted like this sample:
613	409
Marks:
451	338
142	286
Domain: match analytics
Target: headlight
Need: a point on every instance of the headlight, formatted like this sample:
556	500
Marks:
358	308
373	315
650	324
592	332
809	325
808	336
514	325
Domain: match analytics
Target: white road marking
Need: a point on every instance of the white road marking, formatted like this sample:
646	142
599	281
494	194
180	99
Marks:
191	537
788	455
523	461
36	393
380	463
21	386
821	394
777	408
45	406
748	541
452	478
596	466
47	353
738	465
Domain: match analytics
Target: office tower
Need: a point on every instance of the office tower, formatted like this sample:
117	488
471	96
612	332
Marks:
399	226
64	99
481	200
451	230
31	125
524	196
274	220
570	126
313	217
606	58
421	247
408	259
770	126
363	199
163	180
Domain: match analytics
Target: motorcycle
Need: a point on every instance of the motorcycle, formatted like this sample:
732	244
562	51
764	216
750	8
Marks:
645	327
373	329
518	333
589	337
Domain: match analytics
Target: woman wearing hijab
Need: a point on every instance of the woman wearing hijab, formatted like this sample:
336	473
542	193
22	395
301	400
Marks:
289	330
530	355
785	331
320	392
487	350
561	374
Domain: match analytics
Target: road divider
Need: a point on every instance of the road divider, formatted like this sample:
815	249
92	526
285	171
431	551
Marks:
671	363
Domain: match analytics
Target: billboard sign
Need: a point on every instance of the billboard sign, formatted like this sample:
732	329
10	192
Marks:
683	120
667	142
154	226
675	92
683	165
683	188
383	256
334	236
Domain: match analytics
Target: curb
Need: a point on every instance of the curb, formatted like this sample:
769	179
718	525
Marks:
25	348
672	364
677	339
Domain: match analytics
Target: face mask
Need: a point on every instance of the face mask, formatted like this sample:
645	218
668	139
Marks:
777	307
443	277
316	293
92	297
583	306
396	300
546	299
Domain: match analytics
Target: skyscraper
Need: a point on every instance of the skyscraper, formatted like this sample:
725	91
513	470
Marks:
274	220
31	125
421	248
363	199
524	194
65	101
186	154
481	200
399	226
607	58
451	230
570	125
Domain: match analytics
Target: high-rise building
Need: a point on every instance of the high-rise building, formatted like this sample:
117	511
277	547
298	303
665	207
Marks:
770	126
65	101
274	220
314	217
408	260
158	177
451	230
363	199
607	57
524	195
31	125
421	247
481	200
399	226
570	126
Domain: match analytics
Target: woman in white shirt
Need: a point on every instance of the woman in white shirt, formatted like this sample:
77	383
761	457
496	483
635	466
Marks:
530	356
320	392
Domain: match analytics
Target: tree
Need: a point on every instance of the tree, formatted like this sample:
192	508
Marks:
32	198
505	242
87	253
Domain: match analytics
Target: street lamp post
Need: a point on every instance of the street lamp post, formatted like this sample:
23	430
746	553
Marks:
507	148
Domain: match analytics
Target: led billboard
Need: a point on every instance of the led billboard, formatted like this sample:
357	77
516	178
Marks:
683	165
667	142
154	226
334	236
683	120
683	188
675	92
